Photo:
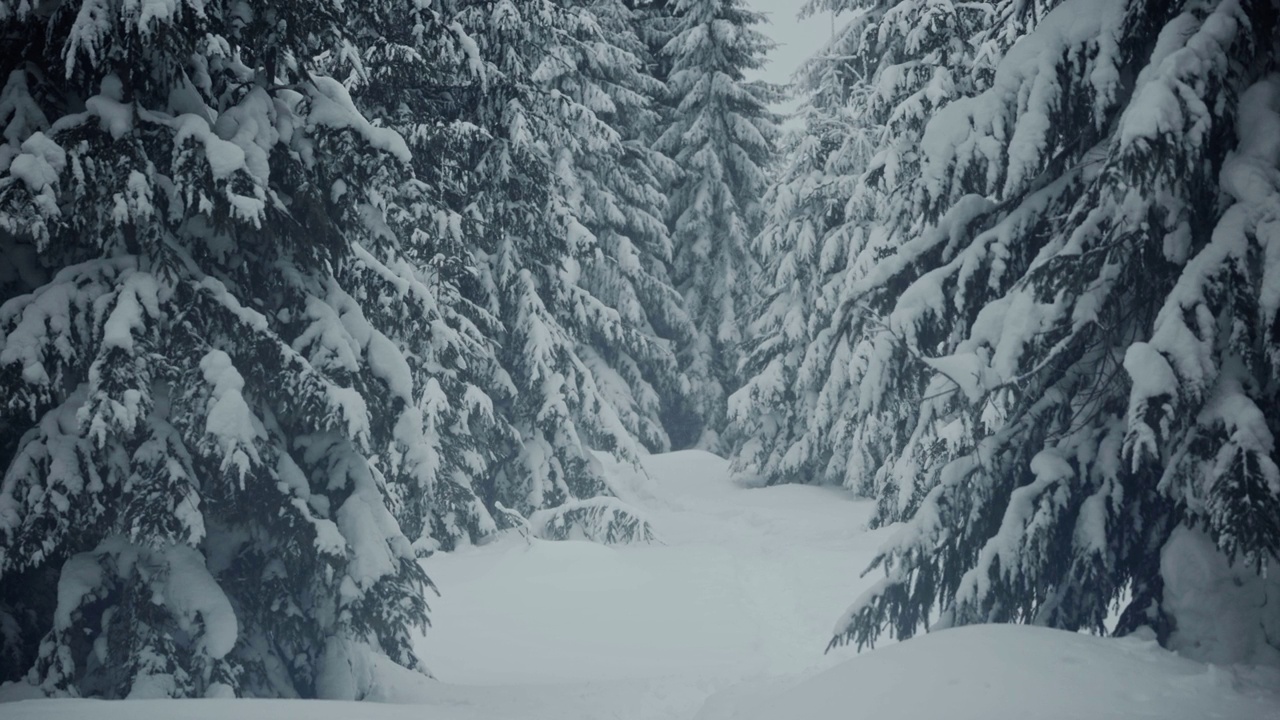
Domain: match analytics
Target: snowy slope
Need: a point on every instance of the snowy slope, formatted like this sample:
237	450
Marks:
1005	671
736	604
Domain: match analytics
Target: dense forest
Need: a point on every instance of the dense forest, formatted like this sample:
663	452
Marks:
295	294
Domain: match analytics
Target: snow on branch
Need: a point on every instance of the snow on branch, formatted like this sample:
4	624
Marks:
602	519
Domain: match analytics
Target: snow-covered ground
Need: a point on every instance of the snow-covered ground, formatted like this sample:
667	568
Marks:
1021	673
744	583
726	619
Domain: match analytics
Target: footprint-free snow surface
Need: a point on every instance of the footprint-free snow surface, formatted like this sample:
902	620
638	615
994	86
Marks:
725	619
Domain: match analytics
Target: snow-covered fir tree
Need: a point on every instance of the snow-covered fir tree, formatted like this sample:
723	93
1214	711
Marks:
720	132
617	193
782	411
867	97
419	63
194	404
521	206
1056	348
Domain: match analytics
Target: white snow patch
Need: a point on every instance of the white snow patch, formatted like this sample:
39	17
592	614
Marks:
39	163
990	672
138	297
191	592
114	116
1222	613
229	419
331	106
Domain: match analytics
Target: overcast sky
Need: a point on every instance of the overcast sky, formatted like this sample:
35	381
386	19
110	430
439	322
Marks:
797	39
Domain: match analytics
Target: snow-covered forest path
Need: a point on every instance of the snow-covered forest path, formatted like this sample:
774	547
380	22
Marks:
744	585
727	619
740	592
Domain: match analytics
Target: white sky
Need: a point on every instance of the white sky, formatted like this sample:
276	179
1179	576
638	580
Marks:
797	39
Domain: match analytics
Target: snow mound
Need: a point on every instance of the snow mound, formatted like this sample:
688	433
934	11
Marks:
602	519
989	672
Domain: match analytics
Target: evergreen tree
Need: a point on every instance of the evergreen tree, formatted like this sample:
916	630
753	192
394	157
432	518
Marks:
617	192
784	410
420	66
521	214
193	395
1061	330
806	410
655	23
721	134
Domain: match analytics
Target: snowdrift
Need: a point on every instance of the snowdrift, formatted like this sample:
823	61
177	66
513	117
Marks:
997	672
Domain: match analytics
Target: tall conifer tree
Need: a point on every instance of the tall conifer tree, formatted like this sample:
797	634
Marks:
721	133
618	193
1054	347
521	209
191	501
